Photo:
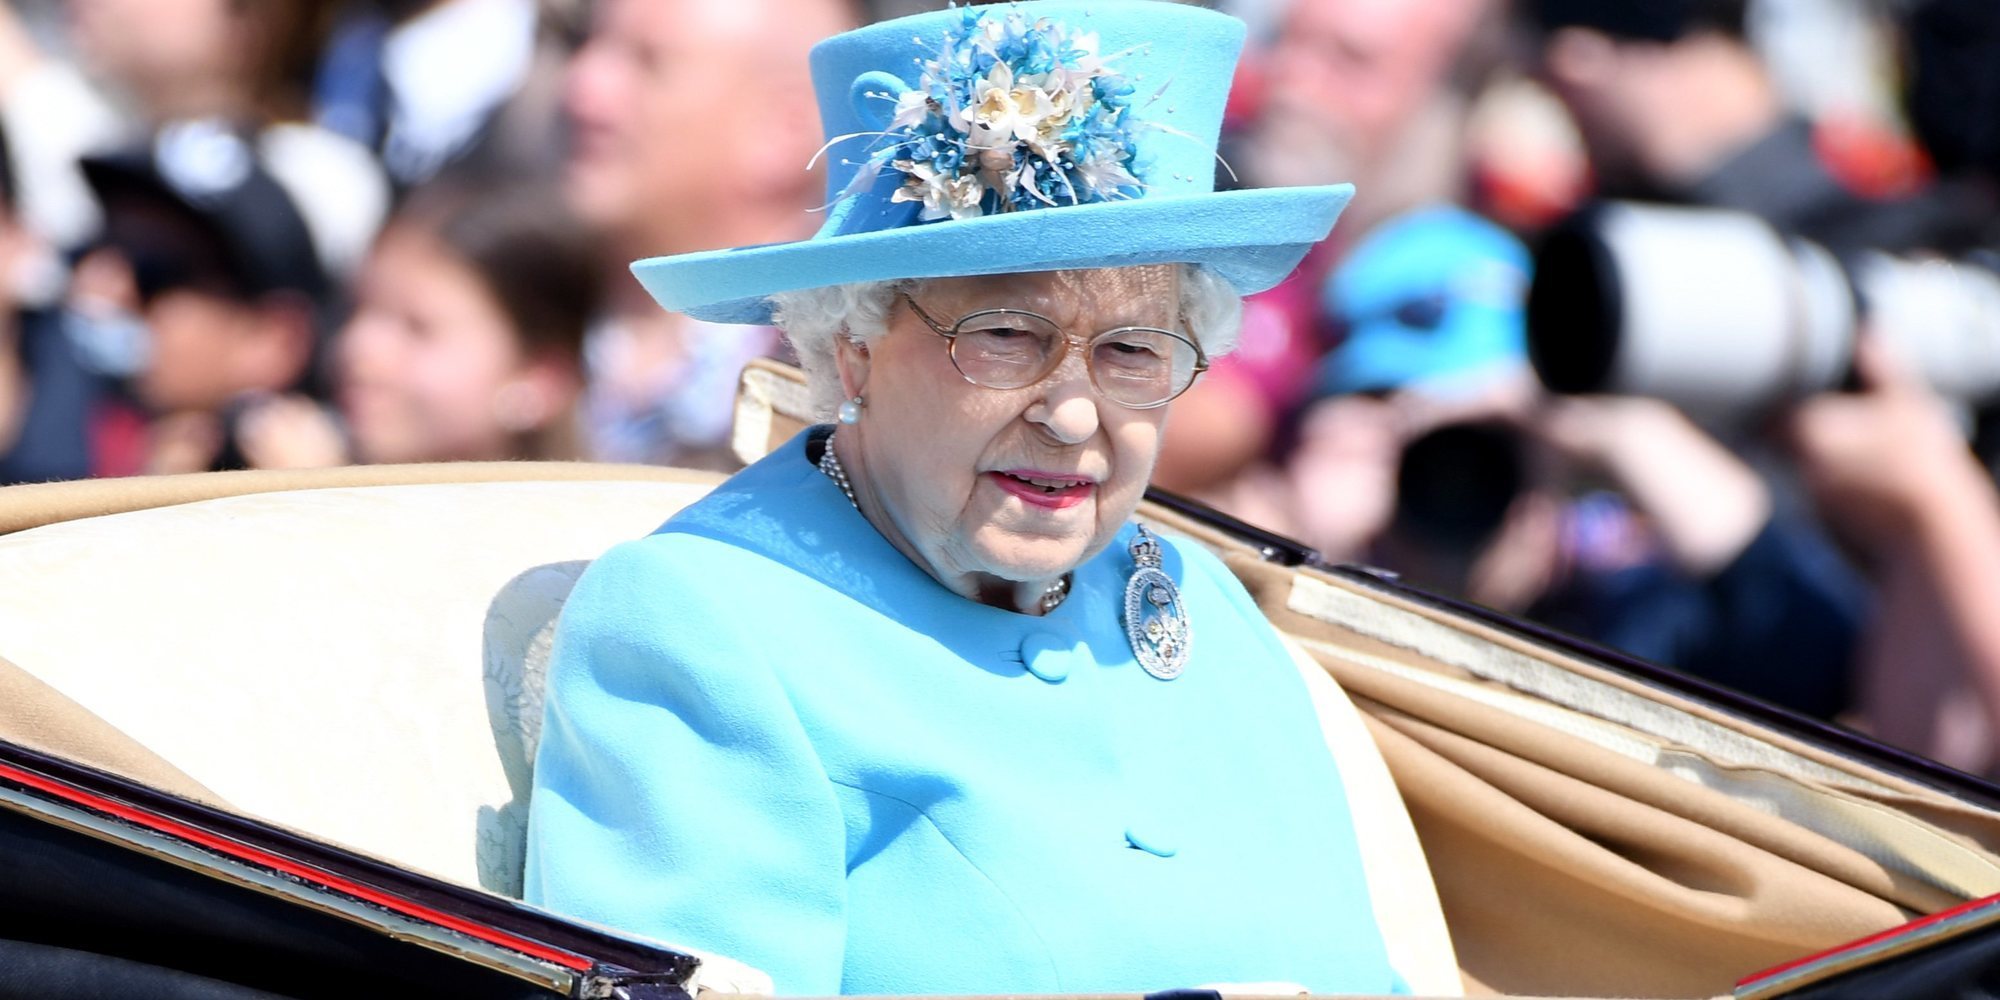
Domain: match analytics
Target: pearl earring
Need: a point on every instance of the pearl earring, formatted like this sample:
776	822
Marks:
850	410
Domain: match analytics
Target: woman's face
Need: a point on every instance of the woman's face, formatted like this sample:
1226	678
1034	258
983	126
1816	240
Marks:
430	366
958	476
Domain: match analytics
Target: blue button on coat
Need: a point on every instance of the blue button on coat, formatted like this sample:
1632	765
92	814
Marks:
771	736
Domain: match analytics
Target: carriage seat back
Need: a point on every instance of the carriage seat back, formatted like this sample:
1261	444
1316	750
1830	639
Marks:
362	663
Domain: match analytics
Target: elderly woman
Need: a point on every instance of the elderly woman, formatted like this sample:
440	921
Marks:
912	704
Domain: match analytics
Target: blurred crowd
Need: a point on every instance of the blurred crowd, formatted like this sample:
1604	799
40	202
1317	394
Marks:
304	233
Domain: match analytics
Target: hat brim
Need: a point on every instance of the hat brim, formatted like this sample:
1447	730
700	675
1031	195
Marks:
117	176
1252	238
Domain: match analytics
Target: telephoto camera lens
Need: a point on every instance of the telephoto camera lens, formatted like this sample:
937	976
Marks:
1721	315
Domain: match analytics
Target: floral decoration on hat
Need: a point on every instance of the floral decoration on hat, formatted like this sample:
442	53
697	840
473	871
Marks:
1013	113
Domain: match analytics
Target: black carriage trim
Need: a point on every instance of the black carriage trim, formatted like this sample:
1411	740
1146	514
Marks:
566	958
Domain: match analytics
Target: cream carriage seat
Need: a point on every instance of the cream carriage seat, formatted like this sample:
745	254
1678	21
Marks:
360	660
358	653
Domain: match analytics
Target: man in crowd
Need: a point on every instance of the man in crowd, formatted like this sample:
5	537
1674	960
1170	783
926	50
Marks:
1674	102
1373	92
693	123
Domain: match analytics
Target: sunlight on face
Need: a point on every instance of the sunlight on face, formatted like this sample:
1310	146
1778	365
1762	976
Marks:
426	357
654	102
976	484
143	44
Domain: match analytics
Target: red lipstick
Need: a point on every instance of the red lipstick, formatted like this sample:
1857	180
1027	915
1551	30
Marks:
1050	490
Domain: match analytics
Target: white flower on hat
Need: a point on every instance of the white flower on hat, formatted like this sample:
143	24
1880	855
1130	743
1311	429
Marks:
942	196
1105	173
1003	111
911	109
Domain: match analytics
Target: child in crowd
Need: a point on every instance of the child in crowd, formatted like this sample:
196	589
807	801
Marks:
465	342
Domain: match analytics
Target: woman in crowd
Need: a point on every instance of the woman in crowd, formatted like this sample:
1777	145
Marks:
913	704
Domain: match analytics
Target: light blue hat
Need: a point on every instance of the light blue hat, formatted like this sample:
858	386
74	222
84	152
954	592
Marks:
1431	298
1034	136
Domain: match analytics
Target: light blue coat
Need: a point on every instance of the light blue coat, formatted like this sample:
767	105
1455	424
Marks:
771	736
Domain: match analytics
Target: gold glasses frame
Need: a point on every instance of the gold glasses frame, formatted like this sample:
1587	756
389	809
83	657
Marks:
952	333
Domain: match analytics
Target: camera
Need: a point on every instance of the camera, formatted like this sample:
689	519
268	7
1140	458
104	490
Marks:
1720	314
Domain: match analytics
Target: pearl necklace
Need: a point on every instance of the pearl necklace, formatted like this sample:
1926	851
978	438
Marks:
829	463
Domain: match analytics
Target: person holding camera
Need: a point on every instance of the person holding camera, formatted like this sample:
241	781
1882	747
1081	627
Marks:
1435	454
1675	104
1889	471
1815	289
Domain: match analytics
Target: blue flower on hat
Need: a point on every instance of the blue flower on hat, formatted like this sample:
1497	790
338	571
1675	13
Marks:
1012	113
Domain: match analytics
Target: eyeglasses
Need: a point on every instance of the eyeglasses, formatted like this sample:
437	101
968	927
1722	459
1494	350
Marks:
1136	366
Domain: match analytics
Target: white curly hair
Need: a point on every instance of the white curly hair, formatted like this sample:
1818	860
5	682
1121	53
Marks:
811	318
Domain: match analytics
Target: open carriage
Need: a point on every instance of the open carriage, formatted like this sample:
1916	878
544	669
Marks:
271	735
